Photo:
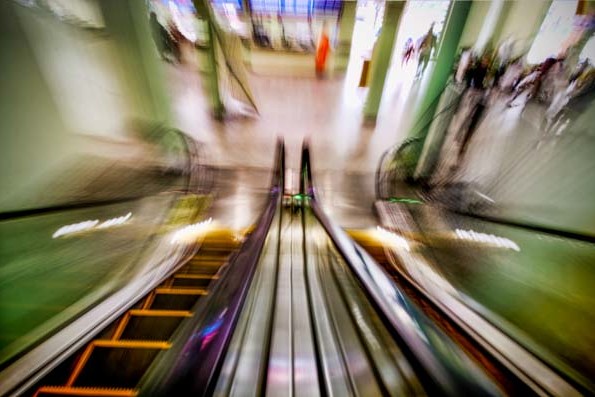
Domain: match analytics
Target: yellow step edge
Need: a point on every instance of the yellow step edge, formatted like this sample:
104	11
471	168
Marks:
160	313
196	276
181	291
132	344
214	252
196	262
87	391
218	246
121	326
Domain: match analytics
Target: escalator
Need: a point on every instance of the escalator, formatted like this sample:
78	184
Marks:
131	353
307	327
320	319
396	247
114	363
516	369
298	308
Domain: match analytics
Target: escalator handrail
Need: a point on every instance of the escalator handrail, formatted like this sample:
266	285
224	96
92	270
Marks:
192	368
199	180
399	314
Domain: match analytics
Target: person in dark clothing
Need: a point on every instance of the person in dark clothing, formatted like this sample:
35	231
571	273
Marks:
476	82
531	83
477	73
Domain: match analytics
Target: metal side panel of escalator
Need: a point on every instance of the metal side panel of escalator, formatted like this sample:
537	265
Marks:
140	353
114	363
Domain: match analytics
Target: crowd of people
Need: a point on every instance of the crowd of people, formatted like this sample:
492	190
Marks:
557	83
559	88
423	48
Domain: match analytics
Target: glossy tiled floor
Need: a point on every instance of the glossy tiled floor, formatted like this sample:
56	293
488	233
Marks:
295	105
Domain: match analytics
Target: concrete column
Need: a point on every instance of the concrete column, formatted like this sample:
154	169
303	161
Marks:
445	58
346	25
521	21
381	57
128	25
491	24
34	136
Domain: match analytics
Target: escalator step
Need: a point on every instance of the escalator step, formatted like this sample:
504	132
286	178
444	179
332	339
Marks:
176	298
58	391
192	280
214	253
211	262
199	271
160	313
118	363
181	291
153	324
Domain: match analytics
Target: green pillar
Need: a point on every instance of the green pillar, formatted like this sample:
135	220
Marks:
381	57
127	22
213	74
209	60
346	25
445	58
248	43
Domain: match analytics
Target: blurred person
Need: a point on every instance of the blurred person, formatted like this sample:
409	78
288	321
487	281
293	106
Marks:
179	33
527	86
553	81
472	74
531	84
425	46
177	39
473	101
160	36
260	35
322	51
505	51
580	68
501	63
575	96
465	62
408	51
160	22
512	75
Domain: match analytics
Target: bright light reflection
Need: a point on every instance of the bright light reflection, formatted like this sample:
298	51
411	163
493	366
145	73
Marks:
115	221
190	233
391	239
489	239
75	228
88	225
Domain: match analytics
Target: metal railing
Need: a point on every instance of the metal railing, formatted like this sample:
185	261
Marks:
199	180
397	166
424	342
193	368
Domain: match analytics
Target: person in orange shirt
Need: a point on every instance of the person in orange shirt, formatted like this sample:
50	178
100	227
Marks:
322	51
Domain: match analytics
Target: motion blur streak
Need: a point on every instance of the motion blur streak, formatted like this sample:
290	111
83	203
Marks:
335	197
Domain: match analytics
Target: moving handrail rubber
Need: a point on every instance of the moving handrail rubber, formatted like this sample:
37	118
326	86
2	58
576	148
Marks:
194	367
405	322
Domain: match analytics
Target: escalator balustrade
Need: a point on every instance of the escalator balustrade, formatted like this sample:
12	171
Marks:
113	364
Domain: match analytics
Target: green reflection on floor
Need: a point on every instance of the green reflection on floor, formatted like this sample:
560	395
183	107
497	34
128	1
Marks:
45	281
542	295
